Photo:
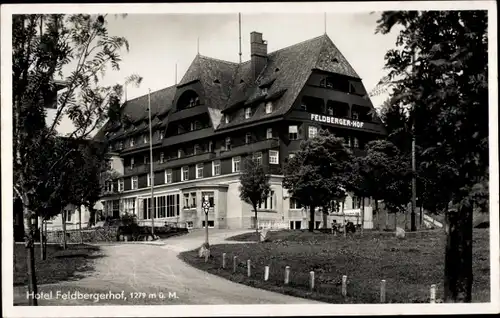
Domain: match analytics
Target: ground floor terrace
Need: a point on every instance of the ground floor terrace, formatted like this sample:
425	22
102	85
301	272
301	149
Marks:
181	204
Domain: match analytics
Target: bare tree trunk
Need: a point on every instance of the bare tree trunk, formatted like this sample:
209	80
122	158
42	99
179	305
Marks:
458	255
64	228
80	223
256	223
311	218
29	229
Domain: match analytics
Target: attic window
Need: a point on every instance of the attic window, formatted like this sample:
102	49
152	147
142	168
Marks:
276	69
335	60
216	81
242	81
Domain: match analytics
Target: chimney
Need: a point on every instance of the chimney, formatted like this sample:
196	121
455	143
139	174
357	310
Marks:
258	53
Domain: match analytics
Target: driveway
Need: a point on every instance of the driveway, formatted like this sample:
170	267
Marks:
151	273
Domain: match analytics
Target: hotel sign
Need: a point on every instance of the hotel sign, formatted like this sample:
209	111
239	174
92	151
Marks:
337	121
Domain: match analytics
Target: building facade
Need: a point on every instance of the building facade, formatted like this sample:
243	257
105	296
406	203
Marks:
220	113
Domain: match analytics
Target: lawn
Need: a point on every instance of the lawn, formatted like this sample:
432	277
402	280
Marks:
409	266
60	264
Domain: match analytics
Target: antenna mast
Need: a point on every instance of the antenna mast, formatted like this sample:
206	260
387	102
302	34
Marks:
198	46
239	27
325	22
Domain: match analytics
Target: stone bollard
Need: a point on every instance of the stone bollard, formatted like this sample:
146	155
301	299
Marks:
433	294
249	268
311	280
266	273
287	275
223	260
206	257
344	285
382	291
235	263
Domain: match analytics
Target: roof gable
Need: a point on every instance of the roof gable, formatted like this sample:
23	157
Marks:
331	60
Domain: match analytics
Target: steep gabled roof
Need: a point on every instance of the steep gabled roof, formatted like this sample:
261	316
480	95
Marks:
332	60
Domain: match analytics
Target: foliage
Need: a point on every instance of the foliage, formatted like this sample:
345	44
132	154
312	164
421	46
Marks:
316	174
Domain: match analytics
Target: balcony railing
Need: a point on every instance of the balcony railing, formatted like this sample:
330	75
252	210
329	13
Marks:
249	148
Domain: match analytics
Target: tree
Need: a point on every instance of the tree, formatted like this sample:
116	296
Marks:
45	47
357	182
317	171
391	170
446	93
254	186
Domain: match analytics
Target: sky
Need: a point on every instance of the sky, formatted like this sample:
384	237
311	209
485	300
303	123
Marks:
159	42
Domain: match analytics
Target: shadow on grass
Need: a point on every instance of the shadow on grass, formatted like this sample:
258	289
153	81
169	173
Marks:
60	265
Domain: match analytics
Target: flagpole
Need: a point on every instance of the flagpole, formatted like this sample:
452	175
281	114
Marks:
151	173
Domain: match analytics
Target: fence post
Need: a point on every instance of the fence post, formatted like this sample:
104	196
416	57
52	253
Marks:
311	280
235	263
223	260
249	268
344	285
433	294
287	275
382	291
266	273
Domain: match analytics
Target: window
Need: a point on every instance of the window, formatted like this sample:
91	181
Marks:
110	147
269	133
185	173
179	153
68	214
121	185
228	143
197	149
134	181
329	111
161	207
148	176
197	125
186	200
248	112
109	186
210	223
295	204
161	134
168	176
293	132
269	107
109	165
216	168
132	142
291	155
248	138
264	90
313	131
210	146
120	145
129	206
132	162
162	157
199	170
356	142
210	196
355	115
146	159
347	142
191	126
303	106
236	164
226	119
193	200
273	157
267	204
257	158
146	139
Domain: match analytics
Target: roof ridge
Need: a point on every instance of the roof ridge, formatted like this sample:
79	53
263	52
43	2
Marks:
161	89
216	59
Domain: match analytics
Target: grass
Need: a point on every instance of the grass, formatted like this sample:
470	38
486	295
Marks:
60	265
409	266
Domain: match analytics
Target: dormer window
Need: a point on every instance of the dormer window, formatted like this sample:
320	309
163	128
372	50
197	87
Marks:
216	81
248	112
226	119
264	90
335	60
228	143
269	107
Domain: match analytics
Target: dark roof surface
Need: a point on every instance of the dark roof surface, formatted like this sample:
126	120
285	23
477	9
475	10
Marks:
229	86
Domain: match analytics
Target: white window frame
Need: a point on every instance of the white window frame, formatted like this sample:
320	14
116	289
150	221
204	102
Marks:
291	155
228	143
148	176
179	153
264	90
257	157
227	119
183	178
274	154
68	215
146	138
236	163
132	162
134	180
199	166
162	157
269	133
168	176
269	107
248	112
132	142
216	164
121	185
161	134
292	128
248	138
312	131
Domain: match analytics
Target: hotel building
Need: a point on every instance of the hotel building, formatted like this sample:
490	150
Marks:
220	113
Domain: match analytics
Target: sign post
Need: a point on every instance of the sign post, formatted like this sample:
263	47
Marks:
205	205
